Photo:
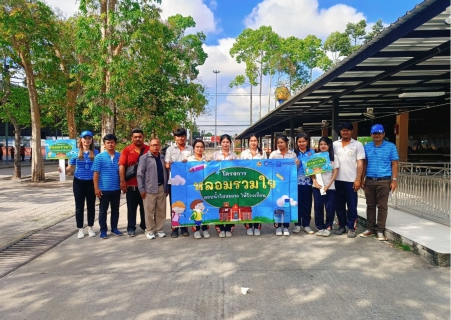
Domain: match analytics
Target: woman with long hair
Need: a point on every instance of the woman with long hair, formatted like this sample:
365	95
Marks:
253	152
83	184
283	152
199	148
324	195
224	230
303	152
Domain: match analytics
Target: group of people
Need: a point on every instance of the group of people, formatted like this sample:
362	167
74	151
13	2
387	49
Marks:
143	173
12	152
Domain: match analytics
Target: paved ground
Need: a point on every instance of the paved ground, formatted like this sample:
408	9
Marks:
297	277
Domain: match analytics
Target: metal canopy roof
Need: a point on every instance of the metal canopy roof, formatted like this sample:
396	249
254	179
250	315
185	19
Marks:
411	55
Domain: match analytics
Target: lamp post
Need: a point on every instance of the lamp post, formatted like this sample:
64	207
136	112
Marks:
216	106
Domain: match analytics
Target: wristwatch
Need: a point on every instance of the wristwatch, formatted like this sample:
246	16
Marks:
394	179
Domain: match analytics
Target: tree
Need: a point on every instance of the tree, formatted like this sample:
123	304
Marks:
377	28
314	55
338	44
240	80
27	34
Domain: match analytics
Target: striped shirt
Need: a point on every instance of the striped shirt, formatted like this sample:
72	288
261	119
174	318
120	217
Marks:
379	159
304	180
108	169
83	167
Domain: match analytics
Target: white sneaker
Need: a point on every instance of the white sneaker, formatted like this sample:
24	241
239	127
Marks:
308	230
81	234
228	234
297	229
206	234
150	236
279	232
222	234
319	233
286	232
197	235
326	233
91	232
250	232
256	232
161	234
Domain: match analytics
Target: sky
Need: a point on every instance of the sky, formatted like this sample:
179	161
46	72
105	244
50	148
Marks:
223	20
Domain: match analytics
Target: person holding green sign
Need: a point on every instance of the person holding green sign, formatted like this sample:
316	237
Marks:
83	185
324	192
254	152
303	151
283	152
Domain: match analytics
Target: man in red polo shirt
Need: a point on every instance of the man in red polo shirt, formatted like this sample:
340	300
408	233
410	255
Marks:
129	158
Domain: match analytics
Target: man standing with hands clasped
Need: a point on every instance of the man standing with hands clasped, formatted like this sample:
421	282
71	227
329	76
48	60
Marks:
381	172
128	163
350	154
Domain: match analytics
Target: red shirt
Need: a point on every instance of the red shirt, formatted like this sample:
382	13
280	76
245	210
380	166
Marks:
129	157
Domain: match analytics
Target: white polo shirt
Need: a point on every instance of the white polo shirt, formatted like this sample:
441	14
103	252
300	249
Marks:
278	155
347	157
246	154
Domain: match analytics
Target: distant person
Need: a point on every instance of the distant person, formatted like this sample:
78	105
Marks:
22	153
254	152
303	152
224	230
128	162
178	153
11	152
152	178
381	172
83	184
1	152
350	154
107	185
283	152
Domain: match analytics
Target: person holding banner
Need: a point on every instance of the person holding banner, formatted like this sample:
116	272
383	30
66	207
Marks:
199	148
303	151
224	230
253	152
177	153
324	190
283	152
83	185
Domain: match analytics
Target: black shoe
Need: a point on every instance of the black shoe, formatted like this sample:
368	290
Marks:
339	231
184	231
143	227
175	233
131	233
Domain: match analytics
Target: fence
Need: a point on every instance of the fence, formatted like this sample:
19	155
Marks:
423	191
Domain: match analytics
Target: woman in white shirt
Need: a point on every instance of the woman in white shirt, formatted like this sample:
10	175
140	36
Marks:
283	152
224	230
253	153
199	148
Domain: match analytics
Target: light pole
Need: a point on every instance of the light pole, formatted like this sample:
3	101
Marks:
216	106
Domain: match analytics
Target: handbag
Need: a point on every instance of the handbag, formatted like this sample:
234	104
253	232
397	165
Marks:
131	171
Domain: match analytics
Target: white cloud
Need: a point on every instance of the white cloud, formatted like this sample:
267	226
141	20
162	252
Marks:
178	181
280	202
301	17
201	13
68	7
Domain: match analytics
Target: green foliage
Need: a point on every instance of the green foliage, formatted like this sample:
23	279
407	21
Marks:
338	44
376	29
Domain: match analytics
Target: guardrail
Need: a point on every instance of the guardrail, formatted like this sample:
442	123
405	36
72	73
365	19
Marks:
425	194
425	168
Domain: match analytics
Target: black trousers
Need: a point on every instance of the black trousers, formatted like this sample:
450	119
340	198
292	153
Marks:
113	198
84	190
134	200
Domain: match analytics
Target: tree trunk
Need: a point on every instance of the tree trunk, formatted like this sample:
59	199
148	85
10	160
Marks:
251	105
37	163
17	139
261	84
70	111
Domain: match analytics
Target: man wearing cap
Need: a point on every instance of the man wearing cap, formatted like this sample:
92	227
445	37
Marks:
178	153
128	161
107	185
381	174
350	155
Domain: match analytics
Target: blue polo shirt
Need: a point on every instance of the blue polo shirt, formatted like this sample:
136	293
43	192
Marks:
83	167
108	169
304	180
379	159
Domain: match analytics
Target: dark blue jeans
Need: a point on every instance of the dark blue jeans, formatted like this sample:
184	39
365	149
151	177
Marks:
134	200
84	190
304	205
346	197
113	198
320	202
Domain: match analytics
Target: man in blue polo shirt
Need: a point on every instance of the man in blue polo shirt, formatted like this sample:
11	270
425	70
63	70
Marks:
107	185
381	171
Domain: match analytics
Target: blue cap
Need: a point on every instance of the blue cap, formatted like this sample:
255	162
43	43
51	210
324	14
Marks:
86	133
377	128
